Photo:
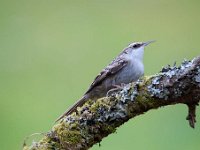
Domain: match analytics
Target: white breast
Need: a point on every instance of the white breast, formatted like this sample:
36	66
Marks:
132	72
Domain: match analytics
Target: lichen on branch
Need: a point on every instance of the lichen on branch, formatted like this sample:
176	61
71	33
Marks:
96	120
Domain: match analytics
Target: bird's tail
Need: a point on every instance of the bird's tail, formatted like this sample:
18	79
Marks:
80	102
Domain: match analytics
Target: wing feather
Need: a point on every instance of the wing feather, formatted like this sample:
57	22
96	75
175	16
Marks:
111	69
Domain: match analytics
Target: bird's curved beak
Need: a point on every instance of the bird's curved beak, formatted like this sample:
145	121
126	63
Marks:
148	42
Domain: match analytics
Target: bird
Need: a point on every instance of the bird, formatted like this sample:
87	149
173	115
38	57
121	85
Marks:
127	67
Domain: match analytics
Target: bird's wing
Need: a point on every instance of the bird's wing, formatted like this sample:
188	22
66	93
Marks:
111	69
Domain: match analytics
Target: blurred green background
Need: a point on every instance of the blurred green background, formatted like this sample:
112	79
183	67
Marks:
50	51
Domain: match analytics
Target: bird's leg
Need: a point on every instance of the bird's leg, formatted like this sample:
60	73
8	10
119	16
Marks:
191	114
115	88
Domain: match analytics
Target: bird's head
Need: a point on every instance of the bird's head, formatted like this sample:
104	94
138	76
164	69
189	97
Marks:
136	50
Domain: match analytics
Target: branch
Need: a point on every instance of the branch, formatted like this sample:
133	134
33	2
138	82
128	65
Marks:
96	120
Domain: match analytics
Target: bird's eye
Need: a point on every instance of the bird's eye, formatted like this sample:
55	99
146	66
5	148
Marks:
136	45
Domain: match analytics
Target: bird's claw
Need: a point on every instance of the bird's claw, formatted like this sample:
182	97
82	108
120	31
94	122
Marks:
115	88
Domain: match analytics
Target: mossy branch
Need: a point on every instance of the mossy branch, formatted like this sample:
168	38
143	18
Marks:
95	120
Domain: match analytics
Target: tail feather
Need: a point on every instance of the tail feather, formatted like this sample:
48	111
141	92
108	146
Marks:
73	108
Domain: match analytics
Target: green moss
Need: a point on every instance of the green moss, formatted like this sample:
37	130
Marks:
109	128
70	136
103	102
88	103
68	132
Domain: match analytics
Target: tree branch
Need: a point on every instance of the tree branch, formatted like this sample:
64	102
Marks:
95	120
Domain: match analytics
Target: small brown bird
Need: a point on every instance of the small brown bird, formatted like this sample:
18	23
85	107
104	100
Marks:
125	68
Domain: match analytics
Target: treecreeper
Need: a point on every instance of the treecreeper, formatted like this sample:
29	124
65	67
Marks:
125	68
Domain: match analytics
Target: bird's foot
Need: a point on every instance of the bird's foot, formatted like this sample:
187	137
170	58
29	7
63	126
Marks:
115	88
111	91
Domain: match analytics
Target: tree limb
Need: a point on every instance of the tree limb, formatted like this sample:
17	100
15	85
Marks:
96	120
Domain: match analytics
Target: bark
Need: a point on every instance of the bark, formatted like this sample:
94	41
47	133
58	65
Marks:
96	120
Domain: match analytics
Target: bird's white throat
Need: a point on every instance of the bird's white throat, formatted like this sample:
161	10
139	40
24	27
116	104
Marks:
138	53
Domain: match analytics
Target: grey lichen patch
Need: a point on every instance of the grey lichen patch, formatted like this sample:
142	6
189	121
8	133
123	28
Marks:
127	93
116	111
197	76
161	84
156	88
